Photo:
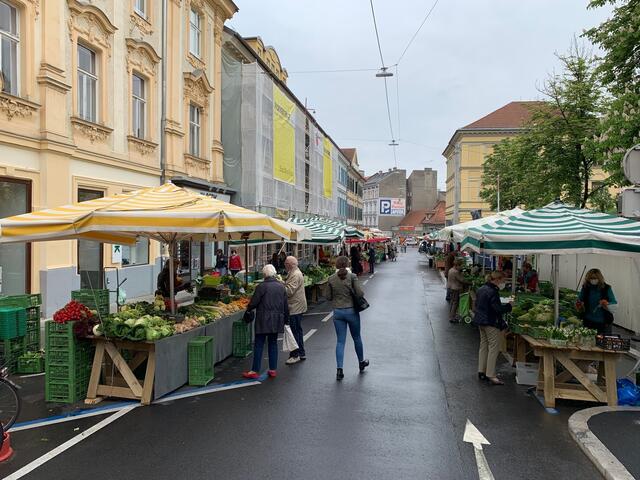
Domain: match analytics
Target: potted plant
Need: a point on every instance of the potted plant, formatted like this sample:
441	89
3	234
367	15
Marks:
558	336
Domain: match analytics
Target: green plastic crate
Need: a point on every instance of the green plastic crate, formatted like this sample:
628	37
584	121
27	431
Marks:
64	391
9	327
10	350
77	371
23	301
30	364
201	350
32	340
21	317
241	339
97	300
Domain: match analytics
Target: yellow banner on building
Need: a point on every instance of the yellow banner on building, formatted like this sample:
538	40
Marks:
284	138
327	169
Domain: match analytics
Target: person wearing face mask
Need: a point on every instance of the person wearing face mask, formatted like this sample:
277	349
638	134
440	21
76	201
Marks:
489	319
596	302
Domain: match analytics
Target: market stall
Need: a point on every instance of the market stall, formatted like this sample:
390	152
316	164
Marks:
167	214
560	229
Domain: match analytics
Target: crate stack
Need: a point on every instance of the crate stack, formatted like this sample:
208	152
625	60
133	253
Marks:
19	328
97	300
67	363
241	338
201	359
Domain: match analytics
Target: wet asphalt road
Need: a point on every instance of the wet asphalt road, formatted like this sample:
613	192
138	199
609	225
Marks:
402	419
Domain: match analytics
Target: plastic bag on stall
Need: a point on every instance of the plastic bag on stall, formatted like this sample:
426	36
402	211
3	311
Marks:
628	392
289	343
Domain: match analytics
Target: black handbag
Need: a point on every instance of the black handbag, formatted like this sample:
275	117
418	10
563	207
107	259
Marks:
249	316
359	303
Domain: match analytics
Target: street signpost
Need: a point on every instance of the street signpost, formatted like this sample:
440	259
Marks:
472	435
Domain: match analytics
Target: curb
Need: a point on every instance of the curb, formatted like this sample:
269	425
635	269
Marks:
606	463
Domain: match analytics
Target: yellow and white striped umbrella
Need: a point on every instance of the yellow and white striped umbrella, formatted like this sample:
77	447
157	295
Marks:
166	213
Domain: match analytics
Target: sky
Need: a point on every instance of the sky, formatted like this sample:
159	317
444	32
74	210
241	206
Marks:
470	58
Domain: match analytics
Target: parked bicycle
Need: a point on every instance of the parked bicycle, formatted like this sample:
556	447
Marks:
9	402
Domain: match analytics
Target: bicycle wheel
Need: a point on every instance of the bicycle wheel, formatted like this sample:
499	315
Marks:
9	404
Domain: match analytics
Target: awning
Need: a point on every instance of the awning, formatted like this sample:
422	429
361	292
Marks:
456	233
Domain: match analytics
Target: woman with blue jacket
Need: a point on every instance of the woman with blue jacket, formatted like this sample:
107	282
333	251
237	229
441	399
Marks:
489	319
596	300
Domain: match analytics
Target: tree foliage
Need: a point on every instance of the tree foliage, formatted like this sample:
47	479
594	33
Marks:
556	156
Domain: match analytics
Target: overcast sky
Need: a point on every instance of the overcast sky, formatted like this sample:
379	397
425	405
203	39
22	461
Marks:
470	58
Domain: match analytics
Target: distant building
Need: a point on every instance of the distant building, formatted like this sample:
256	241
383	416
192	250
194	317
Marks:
385	196
355	188
466	152
422	189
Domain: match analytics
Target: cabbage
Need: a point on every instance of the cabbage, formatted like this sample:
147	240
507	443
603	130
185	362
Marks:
153	334
130	322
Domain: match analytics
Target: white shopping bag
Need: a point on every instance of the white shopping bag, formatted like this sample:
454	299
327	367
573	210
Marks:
289	343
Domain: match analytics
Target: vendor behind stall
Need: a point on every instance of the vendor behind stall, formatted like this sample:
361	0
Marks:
596	301
529	278
164	279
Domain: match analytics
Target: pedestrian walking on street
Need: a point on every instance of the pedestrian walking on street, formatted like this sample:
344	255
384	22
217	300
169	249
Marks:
294	286
596	302
356	265
448	263
235	263
272	312
455	284
490	321
372	258
342	288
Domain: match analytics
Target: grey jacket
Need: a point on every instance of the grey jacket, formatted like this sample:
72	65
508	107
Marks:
294	285
272	309
340	290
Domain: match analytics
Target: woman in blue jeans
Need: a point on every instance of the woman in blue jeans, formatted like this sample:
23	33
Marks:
272	312
342	286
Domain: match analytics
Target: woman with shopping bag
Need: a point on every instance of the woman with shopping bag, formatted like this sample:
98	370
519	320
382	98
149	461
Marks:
271	313
347	298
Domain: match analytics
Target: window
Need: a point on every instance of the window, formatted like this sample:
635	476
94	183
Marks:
137	254
15	258
194	130
90	253
194	33
139	106
9	40
87	84
140	7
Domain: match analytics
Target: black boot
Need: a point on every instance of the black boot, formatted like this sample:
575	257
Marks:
339	374
363	364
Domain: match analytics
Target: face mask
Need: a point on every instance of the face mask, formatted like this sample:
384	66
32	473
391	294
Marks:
594	281
502	286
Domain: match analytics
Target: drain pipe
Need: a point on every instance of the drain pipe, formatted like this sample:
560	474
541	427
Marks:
163	100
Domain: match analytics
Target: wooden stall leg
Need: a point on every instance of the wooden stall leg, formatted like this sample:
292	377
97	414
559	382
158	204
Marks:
148	378
124	369
94	380
549	380
610	376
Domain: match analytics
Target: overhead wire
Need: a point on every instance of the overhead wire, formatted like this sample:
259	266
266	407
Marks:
426	17
375	26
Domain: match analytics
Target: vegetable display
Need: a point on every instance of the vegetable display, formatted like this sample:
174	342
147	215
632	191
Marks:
72	312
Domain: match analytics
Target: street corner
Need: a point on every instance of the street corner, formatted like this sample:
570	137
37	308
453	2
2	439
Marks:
608	436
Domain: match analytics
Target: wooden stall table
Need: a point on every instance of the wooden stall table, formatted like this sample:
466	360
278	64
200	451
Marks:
573	360
120	381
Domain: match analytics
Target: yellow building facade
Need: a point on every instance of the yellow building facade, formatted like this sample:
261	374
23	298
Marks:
81	102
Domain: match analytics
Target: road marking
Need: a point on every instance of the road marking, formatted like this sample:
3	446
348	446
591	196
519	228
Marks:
365	282
315	313
86	413
473	435
32	375
309	333
68	444
326	319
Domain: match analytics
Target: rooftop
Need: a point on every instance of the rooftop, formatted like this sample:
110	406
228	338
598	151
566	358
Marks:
512	115
414	218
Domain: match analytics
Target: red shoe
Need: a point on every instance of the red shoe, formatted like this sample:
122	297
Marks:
251	374
272	373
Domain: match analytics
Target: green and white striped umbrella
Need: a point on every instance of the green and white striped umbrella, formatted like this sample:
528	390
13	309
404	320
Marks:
456	233
556	229
324	231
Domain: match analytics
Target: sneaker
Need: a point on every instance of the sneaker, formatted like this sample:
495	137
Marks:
302	358
292	360
251	374
272	373
364	364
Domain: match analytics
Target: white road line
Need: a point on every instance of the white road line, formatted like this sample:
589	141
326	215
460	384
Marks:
70	418
365	282
309	333
314	313
32	375
205	391
67	445
326	319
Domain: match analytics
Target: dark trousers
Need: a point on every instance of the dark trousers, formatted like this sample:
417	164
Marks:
454	302
295	322
371	266
258	347
602	328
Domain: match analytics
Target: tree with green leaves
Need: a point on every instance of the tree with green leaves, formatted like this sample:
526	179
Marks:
556	156
619	70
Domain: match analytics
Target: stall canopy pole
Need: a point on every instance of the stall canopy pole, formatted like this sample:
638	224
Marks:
514	270
556	288
246	261
172	283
